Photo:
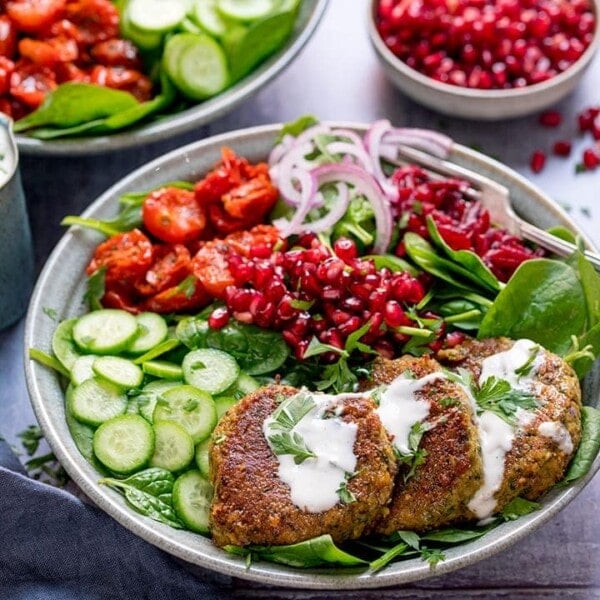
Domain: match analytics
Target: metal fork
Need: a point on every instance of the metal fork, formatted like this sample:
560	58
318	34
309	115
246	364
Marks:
494	197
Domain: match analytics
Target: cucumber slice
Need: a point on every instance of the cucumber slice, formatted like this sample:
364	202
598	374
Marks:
196	64
124	444
120	371
208	17
82	369
163	369
95	401
203	457
105	331
223	404
156	16
146	401
173	448
152	330
142	39
63	346
246	10
192	408
243	385
210	370
192	495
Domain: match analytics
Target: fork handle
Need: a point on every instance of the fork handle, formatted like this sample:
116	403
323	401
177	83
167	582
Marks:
555	244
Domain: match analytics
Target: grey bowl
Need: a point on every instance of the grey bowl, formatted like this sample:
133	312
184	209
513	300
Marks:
61	286
311	12
469	103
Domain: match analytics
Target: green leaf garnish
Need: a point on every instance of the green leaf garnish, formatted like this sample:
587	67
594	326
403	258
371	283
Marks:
497	396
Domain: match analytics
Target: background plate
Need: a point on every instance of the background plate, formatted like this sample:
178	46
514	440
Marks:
309	17
61	285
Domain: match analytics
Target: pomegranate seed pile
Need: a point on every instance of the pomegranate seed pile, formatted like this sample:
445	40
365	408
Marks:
487	44
310	290
588	122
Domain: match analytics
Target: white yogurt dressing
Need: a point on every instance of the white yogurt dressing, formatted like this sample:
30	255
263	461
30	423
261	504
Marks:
559	434
504	365
315	482
496	436
400	408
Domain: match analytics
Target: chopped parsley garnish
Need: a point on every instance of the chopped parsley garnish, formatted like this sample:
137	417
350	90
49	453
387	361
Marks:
416	456
526	368
286	416
497	396
346	496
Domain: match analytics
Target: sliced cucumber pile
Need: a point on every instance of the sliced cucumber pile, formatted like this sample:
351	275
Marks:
207	45
141	403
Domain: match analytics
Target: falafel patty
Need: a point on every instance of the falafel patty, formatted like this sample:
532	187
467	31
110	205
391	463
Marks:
253	505
543	439
451	469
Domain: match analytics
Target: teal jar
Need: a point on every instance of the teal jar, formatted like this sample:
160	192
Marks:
16	251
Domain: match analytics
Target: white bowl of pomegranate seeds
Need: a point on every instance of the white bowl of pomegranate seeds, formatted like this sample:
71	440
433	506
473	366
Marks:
485	59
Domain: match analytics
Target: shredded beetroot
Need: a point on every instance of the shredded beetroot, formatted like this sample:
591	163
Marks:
487	44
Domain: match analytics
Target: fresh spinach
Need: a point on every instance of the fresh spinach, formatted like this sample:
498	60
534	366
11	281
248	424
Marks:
479	272
543	301
48	360
149	492
588	446
314	552
258	351
72	104
96	286
295	128
422	253
519	507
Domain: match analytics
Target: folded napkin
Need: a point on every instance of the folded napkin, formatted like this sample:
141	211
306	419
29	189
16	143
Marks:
53	546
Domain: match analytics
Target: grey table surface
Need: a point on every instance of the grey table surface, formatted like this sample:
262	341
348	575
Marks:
337	77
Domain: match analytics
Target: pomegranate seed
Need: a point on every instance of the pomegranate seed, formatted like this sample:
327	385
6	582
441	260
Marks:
591	159
218	318
394	315
345	249
458	42
562	148
550	118
537	161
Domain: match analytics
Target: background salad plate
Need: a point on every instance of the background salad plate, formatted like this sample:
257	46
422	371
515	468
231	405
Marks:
309	16
60	290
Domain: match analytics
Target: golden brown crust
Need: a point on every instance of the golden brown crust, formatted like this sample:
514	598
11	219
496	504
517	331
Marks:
452	472
252	505
535	462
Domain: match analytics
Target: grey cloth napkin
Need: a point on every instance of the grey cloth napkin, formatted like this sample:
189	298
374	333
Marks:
53	546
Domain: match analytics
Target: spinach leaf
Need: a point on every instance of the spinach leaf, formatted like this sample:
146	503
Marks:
72	104
128	218
519	507
258	351
149	493
543	301
479	272
295	128
96	284
387	557
314	552
588	446
423	255
393	263
455	535
48	361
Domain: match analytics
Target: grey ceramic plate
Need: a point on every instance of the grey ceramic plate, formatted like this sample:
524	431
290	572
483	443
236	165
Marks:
309	17
61	286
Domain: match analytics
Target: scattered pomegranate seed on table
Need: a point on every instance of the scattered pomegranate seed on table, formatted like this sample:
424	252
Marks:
487	44
587	121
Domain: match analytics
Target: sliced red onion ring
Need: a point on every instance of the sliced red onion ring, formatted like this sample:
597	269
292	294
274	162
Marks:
373	141
338	210
352	150
435	143
308	189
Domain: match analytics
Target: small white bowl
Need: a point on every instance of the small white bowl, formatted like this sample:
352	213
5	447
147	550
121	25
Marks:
470	103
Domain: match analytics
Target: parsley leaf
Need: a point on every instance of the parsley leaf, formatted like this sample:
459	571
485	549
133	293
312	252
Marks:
497	396
281	438
527	366
416	456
